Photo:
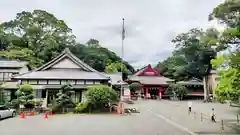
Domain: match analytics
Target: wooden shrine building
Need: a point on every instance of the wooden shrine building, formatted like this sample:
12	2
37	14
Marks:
153	83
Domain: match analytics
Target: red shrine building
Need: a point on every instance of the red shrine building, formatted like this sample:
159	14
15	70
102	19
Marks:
152	82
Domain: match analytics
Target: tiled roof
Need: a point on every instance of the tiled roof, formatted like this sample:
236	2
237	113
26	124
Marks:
46	72
193	81
61	74
12	64
151	79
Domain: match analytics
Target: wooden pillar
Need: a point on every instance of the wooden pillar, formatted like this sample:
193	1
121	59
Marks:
160	93
146	94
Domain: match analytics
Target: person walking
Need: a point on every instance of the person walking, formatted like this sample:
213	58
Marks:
213	116
189	107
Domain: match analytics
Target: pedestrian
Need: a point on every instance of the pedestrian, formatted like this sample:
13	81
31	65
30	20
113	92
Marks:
213	116
189	107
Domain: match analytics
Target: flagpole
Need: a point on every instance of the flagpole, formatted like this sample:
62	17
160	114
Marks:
122	53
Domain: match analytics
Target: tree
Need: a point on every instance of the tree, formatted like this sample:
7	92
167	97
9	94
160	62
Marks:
63	98
25	95
39	36
177	90
116	67
41	32
101	96
97	56
227	13
192	55
25	54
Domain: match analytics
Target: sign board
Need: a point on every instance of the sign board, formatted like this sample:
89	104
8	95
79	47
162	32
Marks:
127	93
149	73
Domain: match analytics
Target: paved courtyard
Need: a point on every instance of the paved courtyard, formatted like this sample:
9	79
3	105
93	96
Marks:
156	118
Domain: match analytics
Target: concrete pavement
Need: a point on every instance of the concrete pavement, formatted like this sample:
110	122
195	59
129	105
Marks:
155	118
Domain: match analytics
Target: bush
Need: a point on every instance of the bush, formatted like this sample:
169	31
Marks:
177	90
81	107
25	96
101	96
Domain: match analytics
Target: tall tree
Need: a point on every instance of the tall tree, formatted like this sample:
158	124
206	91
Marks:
228	13
41	32
193	54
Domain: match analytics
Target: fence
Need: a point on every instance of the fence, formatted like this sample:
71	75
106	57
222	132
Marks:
232	123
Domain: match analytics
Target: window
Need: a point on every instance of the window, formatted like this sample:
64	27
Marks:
24	82
3	108
1	76
32	81
89	82
42	81
54	82
80	82
97	82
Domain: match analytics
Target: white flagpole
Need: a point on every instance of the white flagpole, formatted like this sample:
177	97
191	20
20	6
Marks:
122	51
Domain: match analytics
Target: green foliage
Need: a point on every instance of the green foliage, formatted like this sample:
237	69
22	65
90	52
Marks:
99	57
39	36
177	90
25	95
116	67
101	96
228	87
192	54
135	86
227	13
25	54
63	99
81	107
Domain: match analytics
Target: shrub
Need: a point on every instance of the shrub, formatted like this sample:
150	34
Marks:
63	99
101	96
25	96
177	90
81	107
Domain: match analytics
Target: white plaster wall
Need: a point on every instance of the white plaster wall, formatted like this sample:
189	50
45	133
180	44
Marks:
65	63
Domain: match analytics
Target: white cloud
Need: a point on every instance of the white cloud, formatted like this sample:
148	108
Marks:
150	25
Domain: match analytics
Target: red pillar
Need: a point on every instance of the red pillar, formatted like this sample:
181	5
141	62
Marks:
146	94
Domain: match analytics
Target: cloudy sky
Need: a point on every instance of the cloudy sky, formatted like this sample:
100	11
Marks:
150	24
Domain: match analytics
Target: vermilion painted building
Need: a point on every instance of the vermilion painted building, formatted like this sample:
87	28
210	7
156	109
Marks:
152	81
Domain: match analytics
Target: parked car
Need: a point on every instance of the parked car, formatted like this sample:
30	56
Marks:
6	112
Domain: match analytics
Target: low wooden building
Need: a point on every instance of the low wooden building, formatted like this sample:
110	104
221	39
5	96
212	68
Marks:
66	68
8	68
194	86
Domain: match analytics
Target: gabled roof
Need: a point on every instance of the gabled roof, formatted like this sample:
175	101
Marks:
67	53
140	70
147	69
48	71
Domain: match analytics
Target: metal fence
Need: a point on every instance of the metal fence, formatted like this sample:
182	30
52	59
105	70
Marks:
232	123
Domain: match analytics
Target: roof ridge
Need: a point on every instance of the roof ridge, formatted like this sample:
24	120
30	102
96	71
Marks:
69	54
